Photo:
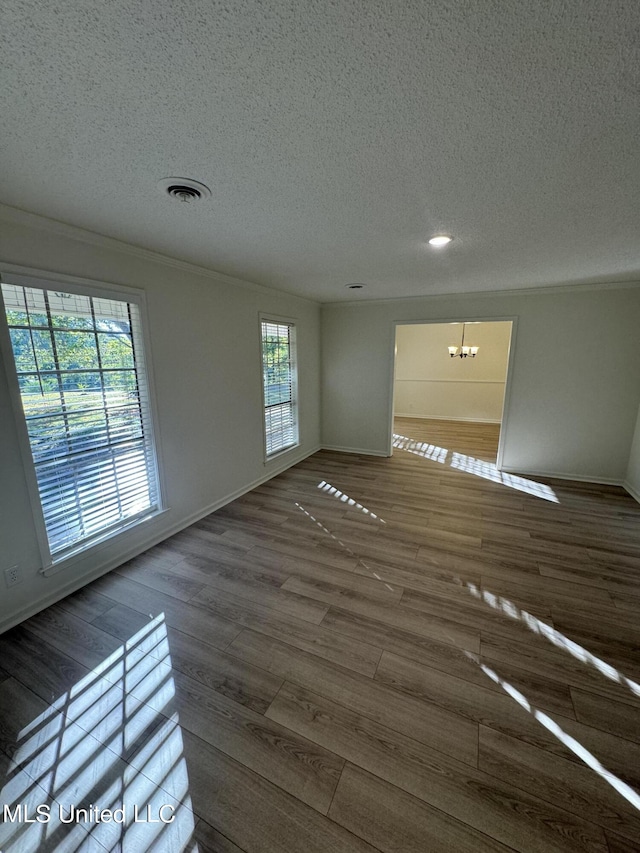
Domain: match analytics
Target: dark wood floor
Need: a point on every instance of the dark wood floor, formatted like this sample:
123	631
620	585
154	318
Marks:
363	654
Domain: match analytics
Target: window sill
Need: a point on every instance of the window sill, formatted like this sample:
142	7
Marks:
279	453
82	553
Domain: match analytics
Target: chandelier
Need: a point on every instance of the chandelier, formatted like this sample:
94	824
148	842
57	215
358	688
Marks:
465	351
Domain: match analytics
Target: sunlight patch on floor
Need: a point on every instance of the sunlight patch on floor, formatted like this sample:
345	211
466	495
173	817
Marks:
471	465
488	471
557	731
336	493
553	636
346	548
325	530
420	448
89	761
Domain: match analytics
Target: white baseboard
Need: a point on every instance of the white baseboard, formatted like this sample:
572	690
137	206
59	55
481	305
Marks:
440	418
555	475
117	560
362	451
632	491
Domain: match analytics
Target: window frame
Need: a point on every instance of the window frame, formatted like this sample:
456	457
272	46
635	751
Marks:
293	360
44	280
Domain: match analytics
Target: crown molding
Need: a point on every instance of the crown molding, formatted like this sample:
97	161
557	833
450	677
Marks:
18	216
546	290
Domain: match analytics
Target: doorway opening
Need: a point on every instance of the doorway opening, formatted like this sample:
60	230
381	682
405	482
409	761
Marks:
450	386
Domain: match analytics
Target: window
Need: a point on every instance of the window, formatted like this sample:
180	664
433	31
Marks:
80	368
279	382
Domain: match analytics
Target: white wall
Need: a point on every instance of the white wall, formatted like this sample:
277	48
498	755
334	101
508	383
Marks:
205	354
574	387
632	479
431	384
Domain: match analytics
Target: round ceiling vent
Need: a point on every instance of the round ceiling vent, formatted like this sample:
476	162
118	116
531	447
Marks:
184	190
355	285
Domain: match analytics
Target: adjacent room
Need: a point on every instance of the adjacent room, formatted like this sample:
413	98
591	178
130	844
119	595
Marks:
441	382
319	427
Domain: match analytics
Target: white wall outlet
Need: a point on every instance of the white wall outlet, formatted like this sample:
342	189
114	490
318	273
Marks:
12	576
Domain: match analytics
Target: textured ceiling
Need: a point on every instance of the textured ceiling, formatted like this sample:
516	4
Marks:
336	137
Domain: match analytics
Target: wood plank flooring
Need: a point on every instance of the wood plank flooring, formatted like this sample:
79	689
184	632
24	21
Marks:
363	654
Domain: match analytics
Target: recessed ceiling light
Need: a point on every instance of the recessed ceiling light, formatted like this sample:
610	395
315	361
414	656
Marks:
356	285
184	190
440	240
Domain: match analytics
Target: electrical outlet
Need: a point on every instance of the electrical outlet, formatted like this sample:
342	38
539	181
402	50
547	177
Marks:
12	576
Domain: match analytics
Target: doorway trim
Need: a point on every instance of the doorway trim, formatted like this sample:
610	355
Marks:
507	386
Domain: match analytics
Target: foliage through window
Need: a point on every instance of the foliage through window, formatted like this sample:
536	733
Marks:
279	382
80	369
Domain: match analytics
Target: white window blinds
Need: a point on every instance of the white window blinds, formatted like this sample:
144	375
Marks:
279	376
80	369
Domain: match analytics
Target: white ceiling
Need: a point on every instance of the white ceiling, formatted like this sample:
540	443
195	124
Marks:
336	136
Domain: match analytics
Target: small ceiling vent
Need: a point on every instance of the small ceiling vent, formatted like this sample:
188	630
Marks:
355	285
184	194
184	190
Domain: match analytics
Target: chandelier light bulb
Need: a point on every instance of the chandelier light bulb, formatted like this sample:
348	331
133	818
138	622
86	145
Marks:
463	351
